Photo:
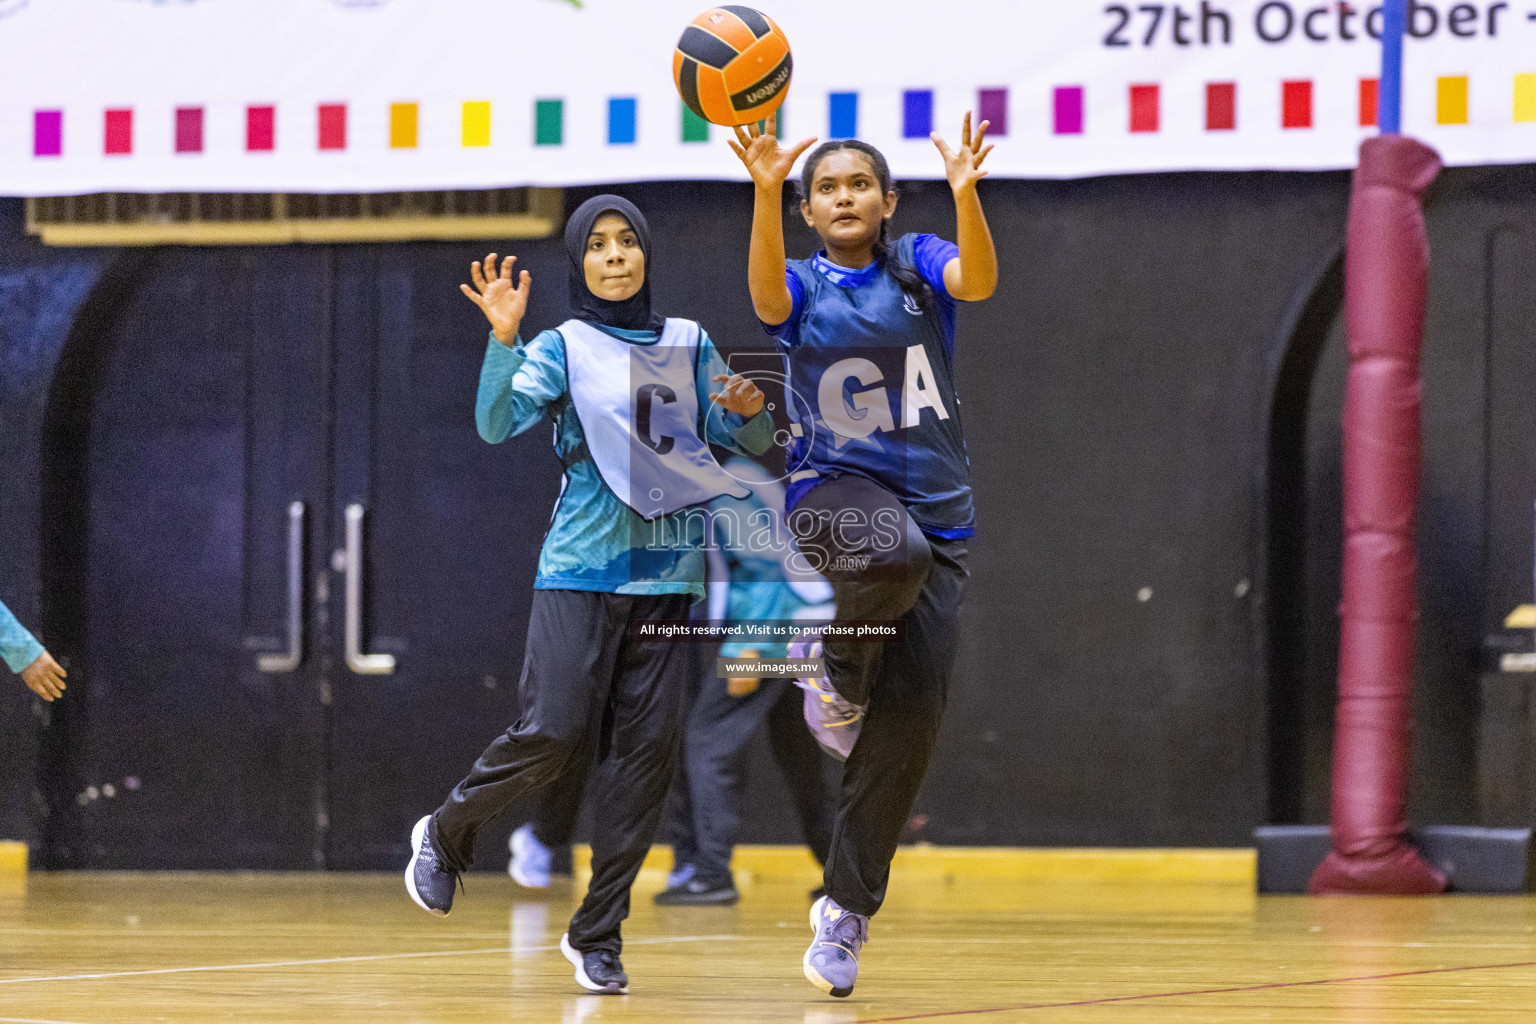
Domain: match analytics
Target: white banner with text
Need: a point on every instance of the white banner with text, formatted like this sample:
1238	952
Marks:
390	95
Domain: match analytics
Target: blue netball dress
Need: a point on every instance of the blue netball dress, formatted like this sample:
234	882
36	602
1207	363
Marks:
871	384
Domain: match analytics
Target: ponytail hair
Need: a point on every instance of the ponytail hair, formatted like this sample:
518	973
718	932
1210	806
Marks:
906	275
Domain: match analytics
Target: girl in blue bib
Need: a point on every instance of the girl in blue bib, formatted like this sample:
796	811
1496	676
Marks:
880	491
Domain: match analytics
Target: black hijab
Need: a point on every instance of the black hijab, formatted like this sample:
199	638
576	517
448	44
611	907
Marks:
633	313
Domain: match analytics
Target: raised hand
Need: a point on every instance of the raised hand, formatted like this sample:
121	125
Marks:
963	166
740	396
502	302
767	162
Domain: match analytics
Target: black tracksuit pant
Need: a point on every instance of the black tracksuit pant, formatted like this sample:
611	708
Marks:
719	728
586	684
922	581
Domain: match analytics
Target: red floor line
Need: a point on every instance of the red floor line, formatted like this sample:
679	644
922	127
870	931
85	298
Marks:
1335	1007
1195	992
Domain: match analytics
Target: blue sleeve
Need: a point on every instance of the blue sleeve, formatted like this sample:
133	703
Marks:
18	648
785	331
932	254
727	429
517	383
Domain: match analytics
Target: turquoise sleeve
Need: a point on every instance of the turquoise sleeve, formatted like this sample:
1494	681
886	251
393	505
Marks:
17	647
517	383
728	429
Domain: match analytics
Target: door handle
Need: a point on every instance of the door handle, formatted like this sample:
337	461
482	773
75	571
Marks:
357	661
290	661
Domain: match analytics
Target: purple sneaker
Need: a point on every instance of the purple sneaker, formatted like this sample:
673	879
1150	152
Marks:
832	961
834	722
530	862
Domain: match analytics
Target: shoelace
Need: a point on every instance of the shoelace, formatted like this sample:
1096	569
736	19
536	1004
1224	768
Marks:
850	940
437	865
458	879
847	711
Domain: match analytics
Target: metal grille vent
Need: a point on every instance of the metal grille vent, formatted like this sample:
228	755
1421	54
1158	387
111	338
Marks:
192	218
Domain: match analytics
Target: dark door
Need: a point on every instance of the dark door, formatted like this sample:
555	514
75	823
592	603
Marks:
236	395
452	530
1511	424
205	419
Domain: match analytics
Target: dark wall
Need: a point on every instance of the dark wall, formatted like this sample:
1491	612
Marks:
1124	664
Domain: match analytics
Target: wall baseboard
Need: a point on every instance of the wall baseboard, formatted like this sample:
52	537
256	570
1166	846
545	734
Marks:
13	858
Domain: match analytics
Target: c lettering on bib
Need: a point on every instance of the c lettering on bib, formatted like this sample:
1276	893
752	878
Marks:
647	394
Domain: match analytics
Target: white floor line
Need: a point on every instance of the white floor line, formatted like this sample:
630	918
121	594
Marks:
346	960
29	1020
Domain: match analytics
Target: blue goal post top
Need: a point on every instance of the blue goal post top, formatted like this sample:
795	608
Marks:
1393	29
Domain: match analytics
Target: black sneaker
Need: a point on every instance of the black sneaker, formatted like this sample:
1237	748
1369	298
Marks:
597	971
429	883
697	892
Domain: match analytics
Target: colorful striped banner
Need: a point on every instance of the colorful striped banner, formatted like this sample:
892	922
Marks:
1246	86
1068	108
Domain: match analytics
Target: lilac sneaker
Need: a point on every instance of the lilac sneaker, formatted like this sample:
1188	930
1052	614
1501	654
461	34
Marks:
834	722
530	862
832	961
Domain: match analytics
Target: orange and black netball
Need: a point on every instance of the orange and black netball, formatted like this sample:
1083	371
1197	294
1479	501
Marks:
732	66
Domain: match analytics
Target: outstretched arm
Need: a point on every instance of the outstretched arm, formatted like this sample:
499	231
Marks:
517	384
769	166
26	657
972	275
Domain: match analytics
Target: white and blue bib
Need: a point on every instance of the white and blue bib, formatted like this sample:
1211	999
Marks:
639	409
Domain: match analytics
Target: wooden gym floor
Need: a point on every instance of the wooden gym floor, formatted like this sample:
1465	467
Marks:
132	949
